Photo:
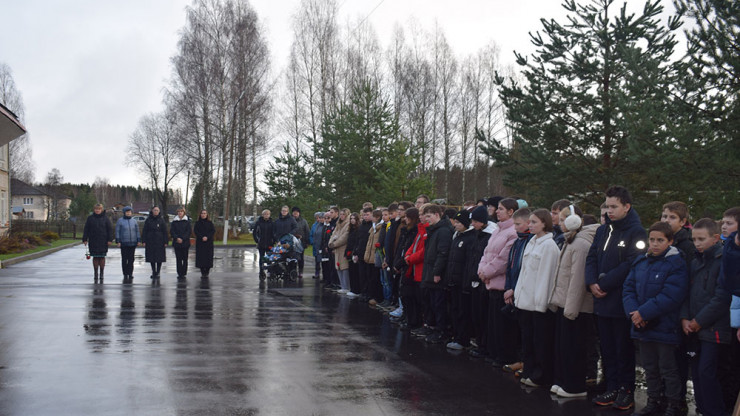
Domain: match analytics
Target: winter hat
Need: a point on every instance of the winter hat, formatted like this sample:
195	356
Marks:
296	209
463	217
494	200
126	208
522	203
480	214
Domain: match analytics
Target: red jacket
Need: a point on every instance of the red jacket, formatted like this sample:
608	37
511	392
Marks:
415	254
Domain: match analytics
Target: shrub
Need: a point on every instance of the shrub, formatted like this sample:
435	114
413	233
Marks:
49	236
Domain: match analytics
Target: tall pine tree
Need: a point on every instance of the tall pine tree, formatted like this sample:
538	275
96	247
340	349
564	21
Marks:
593	109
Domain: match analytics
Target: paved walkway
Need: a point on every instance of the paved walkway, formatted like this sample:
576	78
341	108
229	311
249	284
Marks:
229	346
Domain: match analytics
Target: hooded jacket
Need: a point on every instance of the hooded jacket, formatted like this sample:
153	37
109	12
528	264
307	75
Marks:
436	252
656	287
708	302
496	255
127	232
285	224
415	253
537	277
458	261
616	245
570	291
479	246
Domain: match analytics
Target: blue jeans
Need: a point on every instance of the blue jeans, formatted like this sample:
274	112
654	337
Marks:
385	280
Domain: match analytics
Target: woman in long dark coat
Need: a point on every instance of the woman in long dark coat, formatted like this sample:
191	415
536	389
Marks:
96	235
180	231
204	231
154	238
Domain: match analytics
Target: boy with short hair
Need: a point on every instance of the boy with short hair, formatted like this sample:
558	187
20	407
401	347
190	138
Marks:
513	267
705	316
458	267
653	294
616	244
436	251
676	214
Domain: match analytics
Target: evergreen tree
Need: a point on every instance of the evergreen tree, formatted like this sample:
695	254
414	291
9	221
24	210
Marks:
594	106
288	182
363	157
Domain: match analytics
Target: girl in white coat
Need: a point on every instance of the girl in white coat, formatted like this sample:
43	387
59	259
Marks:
531	297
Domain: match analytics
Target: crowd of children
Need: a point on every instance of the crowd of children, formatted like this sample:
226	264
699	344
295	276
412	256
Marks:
545	294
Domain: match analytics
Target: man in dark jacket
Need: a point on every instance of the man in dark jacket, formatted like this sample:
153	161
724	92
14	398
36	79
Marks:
303	233
358	254
436	252
285	224
616	245
264	236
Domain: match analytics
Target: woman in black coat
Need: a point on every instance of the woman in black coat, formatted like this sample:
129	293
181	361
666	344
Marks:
264	235
96	235
204	231
180	231
154	238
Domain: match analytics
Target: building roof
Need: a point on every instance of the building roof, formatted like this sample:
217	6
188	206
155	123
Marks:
18	210
10	127
20	188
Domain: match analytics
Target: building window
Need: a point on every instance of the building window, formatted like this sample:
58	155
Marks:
27	201
28	215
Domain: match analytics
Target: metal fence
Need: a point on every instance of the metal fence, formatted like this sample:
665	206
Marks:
65	229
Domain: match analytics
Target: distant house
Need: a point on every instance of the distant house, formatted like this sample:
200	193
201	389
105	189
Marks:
10	129
37	203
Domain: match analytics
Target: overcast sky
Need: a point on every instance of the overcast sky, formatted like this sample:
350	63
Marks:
89	69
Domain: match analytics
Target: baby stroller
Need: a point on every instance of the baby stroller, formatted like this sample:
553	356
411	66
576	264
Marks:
281	262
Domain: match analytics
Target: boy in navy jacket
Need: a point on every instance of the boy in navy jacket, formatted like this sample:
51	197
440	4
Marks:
617	243
653	294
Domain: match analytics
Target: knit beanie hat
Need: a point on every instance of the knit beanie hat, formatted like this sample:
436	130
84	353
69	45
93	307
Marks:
463	217
480	214
126	208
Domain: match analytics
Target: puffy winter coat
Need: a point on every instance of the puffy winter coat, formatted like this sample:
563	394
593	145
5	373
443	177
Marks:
539	264
496	255
285	224
204	249
570	291
458	261
479	246
436	252
415	254
708	302
154	236
127	232
98	232
181	228
656	287
514	266
682	241
730	278
338	243
616	245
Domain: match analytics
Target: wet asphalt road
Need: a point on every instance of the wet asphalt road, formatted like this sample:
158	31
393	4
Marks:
229	346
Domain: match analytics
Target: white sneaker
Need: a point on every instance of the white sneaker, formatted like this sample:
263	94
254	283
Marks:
351	294
529	382
398	312
342	291
563	393
554	389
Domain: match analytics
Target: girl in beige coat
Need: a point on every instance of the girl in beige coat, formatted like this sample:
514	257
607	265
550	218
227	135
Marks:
338	243
574	306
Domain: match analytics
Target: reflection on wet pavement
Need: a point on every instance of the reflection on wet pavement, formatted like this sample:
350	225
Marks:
226	346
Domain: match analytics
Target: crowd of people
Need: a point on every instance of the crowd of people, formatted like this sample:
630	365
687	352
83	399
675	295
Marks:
99	233
546	294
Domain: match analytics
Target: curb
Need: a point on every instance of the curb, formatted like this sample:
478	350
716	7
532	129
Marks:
14	260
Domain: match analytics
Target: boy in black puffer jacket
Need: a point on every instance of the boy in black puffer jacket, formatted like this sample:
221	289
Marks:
458	266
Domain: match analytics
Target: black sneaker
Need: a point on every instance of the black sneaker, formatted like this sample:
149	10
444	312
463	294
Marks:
434	338
422	332
605	399
625	399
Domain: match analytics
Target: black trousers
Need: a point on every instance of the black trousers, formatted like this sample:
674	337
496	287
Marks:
326	269
375	288
571	347
461	309
503	332
538	346
364	277
617	352
301	263
354	277
659	362
707	387
436	299
181	257
127	260
412	303
262	252
479	296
